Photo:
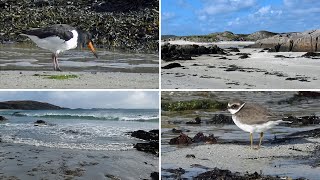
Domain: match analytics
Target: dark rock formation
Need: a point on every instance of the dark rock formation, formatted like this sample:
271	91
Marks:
148	136
2	118
310	94
197	120
40	122
174	130
190	156
181	140
201	138
172	65
311	55
115	24
28	105
185	52
150	147
307	41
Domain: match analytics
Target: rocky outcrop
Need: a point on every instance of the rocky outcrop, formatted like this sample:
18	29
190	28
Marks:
307	41
185	52
260	35
183	139
28	105
152	136
2	118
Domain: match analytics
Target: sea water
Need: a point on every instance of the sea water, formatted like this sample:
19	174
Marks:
89	129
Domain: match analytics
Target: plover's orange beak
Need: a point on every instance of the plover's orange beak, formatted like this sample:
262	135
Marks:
90	46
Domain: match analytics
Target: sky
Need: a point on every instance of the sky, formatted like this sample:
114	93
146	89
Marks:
199	17
89	99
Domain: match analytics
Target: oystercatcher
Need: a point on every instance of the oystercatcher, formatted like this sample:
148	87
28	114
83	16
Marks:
59	38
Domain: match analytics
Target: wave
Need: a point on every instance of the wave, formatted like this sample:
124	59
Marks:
68	145
90	116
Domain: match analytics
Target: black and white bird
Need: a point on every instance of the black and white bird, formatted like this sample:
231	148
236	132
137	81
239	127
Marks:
58	38
252	118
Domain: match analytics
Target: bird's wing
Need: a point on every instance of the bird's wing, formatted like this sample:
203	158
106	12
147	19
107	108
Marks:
62	31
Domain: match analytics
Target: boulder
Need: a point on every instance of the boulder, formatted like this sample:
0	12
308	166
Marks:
149	147
172	65
197	120
201	138
40	122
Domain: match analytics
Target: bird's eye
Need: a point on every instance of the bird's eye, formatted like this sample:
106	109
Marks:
234	106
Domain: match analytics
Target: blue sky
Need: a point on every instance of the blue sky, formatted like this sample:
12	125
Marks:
196	17
89	99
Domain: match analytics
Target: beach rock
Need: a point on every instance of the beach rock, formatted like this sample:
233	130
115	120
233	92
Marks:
190	156
302	121
197	120
185	52
172	65
300	96
40	122
175	173
150	147
310	94
220	119
217	173
311	54
141	134
307	41
281	56
2	118
181	140
243	55
154	175
112	177
200	137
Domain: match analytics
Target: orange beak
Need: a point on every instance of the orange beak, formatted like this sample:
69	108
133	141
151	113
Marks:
90	46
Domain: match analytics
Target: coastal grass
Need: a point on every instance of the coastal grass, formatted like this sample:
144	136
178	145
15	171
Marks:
58	77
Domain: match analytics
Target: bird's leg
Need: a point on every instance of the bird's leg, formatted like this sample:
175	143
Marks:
261	136
251	140
57	63
54	61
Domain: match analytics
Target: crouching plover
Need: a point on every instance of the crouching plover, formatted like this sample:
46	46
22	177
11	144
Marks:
252	118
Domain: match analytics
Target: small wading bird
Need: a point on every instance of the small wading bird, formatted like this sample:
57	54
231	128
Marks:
252	118
59	38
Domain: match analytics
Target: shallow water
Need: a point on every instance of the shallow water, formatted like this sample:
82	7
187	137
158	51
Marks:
104	129
32	58
231	133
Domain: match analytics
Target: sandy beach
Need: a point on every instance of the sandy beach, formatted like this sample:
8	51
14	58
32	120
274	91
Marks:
261	70
19	161
84	80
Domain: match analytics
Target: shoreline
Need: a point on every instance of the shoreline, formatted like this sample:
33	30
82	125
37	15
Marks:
81	80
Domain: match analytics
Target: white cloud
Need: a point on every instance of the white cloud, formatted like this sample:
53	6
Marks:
167	16
225	6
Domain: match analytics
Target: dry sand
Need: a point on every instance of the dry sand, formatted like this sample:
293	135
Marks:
260	71
85	80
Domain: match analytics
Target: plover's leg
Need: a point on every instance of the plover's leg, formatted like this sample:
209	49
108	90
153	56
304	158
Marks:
251	140
261	136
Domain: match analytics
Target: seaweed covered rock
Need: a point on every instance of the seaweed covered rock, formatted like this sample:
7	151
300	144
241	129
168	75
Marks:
115	24
185	52
2	118
141	134
181	140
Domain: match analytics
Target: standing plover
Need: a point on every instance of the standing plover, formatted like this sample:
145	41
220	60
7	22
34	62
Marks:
59	38
252	118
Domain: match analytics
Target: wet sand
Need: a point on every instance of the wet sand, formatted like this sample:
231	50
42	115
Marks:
262	70
84	80
19	161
